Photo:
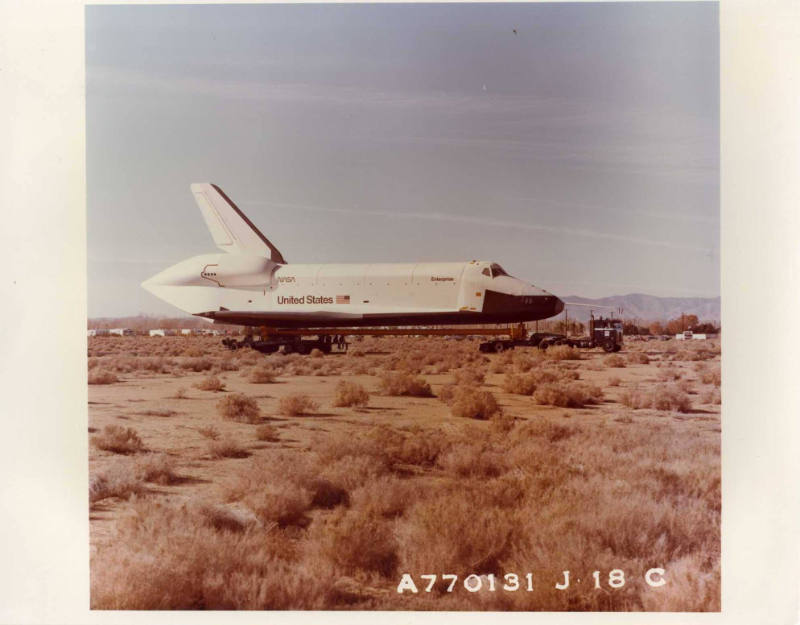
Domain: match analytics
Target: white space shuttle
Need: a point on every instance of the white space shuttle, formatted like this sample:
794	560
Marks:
251	284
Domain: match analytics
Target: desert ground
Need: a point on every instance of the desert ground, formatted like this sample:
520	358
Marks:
234	480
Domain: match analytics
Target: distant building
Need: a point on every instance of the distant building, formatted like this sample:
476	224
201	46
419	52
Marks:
688	335
121	331
158	332
186	331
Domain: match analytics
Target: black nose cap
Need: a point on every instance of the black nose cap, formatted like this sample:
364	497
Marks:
558	306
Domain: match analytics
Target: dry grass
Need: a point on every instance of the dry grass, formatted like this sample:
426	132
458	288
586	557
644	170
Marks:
527	383
638	358
402	383
239	407
472	403
329	517
210	383
118	440
563	352
226	448
662	397
209	432
350	394
297	404
102	377
713	376
614	360
567	394
262	375
157	468
117	481
267	432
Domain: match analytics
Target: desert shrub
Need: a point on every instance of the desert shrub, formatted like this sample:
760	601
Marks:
567	394
502	423
473	404
179	393
210	383
226	448
355	542
350	394
102	377
403	383
519	384
711	396
267	432
661	397
447	393
469	376
197	364
638	358
356	352
712	376
209	432
473	459
614	360
297	404
562	352
526	383
316	353
458	532
325	494
158	468
239	407
669	374
118	440
117	481
614	380
262	375
188	557
668	397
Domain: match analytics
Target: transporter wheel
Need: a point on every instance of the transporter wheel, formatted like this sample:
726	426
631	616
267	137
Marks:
498	347
617	347
608	346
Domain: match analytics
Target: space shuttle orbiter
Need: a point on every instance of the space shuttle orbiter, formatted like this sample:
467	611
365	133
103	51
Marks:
251	284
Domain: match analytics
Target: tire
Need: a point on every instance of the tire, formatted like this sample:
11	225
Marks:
608	346
617	347
498	347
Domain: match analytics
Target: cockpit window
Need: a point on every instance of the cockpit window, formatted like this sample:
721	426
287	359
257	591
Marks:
486	272
497	270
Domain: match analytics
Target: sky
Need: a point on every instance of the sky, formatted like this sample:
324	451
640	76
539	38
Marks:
581	152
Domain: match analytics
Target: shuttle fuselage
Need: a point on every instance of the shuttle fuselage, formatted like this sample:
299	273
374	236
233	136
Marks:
251	284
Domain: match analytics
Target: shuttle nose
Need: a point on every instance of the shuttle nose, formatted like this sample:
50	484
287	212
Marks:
559	306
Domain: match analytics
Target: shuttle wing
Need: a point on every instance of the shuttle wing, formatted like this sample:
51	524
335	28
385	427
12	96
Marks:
232	231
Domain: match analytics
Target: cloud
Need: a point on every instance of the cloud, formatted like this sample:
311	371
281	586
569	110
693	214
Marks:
488	222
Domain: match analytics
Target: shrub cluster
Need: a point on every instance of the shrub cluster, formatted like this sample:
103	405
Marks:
661	397
119	440
210	383
239	407
297	404
400	383
350	394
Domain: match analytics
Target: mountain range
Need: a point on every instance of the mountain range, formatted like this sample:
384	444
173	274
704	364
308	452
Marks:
646	307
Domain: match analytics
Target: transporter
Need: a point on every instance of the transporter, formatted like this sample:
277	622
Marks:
252	284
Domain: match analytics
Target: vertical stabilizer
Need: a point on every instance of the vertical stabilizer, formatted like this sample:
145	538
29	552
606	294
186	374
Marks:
232	231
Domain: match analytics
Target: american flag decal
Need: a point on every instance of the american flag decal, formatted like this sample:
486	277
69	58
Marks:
342	299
